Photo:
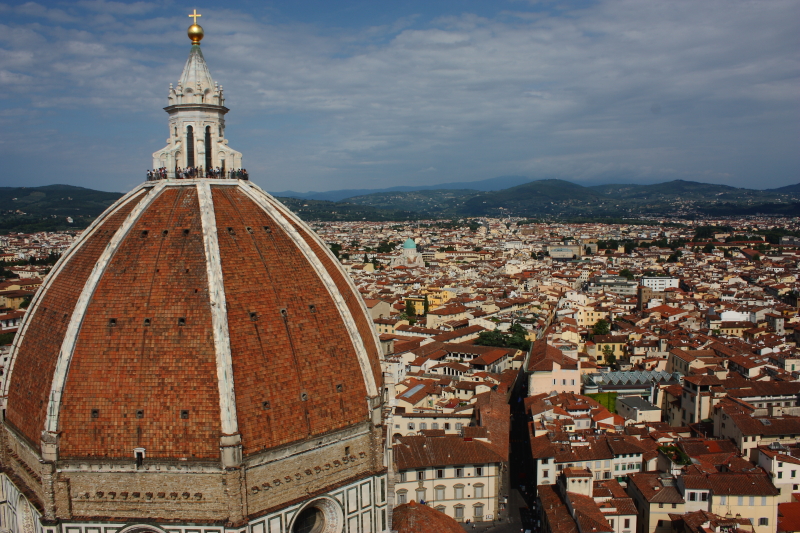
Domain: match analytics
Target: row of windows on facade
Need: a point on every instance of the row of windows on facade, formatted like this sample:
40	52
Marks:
764	405
740	500
588	464
626	523
666	523
477	511
434	425
440	473
792	474
756	438
440	493
606	474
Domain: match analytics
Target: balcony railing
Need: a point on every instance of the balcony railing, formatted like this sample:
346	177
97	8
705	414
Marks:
197	173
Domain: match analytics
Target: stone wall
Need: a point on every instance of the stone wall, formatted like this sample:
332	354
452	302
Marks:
361	506
292	474
265	485
166	493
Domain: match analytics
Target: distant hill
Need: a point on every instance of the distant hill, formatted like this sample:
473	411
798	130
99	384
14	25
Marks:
445	203
60	200
787	189
561	198
30	209
33	209
678	197
323	210
491	184
675	188
534	197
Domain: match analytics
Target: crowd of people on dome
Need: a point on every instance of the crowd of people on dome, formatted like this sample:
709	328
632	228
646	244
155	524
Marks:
197	172
157	174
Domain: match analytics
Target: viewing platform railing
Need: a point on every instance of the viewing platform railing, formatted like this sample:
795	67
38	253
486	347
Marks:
197	173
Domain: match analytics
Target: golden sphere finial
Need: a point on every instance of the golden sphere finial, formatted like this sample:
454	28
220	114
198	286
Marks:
195	30
195	33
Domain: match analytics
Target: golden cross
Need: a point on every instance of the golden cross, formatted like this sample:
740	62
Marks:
195	15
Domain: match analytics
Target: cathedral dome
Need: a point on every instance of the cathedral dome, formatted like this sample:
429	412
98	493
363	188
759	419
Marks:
192	316
409	244
198	356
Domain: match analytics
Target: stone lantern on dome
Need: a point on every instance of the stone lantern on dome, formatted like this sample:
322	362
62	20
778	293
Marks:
196	118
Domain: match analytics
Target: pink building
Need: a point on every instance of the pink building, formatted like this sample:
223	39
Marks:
549	370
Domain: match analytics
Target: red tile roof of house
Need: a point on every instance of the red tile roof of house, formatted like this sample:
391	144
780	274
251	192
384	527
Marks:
417	518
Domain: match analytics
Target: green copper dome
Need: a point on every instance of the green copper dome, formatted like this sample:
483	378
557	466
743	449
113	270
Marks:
409	244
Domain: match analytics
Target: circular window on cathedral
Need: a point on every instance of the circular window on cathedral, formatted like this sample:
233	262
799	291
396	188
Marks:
310	520
319	516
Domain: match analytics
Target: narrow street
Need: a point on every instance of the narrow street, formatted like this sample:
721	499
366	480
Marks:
517	516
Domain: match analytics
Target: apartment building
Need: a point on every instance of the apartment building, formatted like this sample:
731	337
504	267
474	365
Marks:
458	476
605	456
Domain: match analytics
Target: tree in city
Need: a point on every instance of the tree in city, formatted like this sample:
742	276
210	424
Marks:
675	257
515	337
491	338
625	273
7	338
601	327
385	247
410	310
608	355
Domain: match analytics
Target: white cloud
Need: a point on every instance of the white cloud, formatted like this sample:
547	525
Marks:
620	90
32	9
117	8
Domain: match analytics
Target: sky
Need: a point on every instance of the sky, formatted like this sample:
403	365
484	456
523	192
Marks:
327	95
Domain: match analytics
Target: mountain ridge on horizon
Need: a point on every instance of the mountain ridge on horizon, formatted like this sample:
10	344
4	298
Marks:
46	208
500	183
490	184
562	198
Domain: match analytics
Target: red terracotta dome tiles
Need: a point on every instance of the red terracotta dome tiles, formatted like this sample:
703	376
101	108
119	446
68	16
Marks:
294	362
36	358
141	377
144	368
365	329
